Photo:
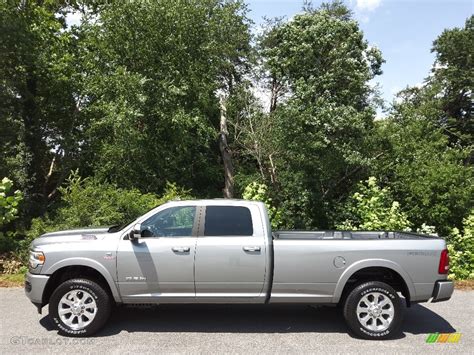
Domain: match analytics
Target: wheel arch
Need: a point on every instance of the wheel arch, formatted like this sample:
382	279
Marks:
79	268
380	267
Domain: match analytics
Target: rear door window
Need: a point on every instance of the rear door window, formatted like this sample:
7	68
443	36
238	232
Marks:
228	221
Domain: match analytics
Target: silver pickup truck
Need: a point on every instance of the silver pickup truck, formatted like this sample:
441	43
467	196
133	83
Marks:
224	251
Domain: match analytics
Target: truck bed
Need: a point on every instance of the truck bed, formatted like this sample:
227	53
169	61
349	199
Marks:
348	235
306	263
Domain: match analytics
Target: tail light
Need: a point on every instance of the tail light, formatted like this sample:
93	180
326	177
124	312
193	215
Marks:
443	262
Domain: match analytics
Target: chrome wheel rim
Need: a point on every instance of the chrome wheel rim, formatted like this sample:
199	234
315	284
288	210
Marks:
375	311
77	309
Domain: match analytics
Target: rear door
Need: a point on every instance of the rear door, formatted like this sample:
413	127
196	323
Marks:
230	254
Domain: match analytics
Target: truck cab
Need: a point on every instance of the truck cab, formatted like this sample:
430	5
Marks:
171	254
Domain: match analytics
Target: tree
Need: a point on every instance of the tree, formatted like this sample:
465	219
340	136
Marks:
145	92
426	142
39	116
322	54
452	83
226	154
154	72
253	134
427	175
323	63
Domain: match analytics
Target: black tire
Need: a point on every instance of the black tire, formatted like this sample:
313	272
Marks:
370	289
100	296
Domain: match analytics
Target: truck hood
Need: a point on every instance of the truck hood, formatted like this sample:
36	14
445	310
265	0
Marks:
72	235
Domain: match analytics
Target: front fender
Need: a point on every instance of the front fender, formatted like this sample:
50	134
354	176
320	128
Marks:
362	264
90	263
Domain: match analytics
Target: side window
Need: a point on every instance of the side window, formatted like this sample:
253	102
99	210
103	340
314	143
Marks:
228	221
171	222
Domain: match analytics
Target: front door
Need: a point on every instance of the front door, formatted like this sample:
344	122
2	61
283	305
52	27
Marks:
160	265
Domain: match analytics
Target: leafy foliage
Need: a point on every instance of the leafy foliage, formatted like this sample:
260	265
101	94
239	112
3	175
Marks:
39	116
130	98
452	82
8	202
154	113
373	208
461	250
322	55
259	192
9	206
429	178
425	146
89	202
322	63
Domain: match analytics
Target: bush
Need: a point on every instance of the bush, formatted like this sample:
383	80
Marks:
461	250
373	208
90	202
9	202
259	192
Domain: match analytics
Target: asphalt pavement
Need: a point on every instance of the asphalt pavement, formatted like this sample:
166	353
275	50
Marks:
220	329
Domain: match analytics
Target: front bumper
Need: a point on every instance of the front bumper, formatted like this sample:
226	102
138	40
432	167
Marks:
443	291
34	287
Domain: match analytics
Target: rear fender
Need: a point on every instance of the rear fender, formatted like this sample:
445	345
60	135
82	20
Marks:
362	264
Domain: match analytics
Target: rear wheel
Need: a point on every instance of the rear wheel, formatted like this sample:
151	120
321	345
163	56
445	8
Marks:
79	307
373	310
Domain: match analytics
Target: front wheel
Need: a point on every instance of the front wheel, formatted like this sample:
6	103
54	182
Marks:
79	307
373	310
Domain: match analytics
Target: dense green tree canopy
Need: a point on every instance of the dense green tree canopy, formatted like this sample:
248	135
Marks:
429	177
40	132
154	70
140	97
323	65
453	81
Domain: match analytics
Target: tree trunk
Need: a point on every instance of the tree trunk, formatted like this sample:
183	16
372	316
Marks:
226	154
35	198
275	93
273	177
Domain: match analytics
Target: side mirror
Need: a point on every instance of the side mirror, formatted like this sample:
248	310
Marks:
136	232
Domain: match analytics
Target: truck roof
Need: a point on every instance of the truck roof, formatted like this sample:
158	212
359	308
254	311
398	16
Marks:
214	201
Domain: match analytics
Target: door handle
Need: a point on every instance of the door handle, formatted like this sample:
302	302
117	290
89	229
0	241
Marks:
251	248
181	249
